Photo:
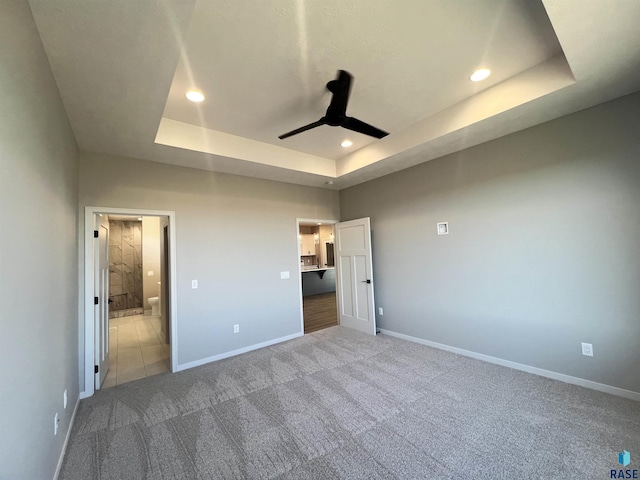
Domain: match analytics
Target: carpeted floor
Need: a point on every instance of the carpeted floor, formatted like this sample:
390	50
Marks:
340	404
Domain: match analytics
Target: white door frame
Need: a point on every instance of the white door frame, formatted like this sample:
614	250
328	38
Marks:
89	279
298	222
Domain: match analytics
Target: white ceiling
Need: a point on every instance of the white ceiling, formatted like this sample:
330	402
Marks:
123	68
273	79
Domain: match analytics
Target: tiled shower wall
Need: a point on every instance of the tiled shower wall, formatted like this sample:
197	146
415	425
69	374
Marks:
125	264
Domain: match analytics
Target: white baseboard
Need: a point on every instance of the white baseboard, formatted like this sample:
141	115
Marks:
66	439
601	387
233	353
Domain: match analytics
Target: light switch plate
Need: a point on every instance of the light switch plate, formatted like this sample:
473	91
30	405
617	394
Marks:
150	273
284	275
194	283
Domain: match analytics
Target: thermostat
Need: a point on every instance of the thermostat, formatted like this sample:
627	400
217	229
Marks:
443	228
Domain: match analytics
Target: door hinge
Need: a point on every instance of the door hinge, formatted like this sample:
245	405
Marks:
95	234
96	369
95	300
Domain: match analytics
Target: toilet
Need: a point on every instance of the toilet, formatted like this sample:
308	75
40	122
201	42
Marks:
153	301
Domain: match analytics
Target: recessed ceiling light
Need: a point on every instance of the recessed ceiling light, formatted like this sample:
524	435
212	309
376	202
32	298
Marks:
195	96
480	74
139	218
319	223
346	143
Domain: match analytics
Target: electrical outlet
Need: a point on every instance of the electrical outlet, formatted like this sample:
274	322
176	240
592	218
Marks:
194	283
284	275
380	311
64	398
587	349
236	328
56	422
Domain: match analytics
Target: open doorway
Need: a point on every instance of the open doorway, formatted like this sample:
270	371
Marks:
317	274
137	340
129	320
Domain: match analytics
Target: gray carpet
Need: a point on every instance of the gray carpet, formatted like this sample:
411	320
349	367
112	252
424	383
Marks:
340	404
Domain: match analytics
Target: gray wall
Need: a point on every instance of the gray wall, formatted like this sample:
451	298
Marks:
544	249
234	235
38	253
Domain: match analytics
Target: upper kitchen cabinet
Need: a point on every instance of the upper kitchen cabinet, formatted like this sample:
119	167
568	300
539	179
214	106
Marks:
307	244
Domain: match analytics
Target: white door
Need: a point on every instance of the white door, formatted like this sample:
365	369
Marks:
101	292
354	275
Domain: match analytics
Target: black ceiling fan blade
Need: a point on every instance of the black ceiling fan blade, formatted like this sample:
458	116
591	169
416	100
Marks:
336	115
303	129
340	87
361	127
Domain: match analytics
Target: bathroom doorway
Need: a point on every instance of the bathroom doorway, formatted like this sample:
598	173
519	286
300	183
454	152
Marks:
317	274
137	297
138	340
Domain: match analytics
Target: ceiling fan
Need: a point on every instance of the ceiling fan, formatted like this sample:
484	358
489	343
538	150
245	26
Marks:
336	115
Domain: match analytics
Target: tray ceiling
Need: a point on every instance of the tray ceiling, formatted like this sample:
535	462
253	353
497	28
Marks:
123	70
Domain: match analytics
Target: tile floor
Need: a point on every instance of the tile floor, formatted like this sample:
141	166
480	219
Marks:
135	349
